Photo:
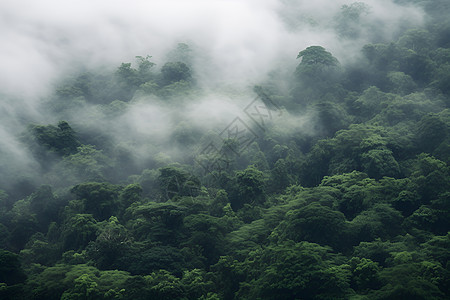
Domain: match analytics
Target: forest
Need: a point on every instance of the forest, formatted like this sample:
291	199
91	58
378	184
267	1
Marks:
328	178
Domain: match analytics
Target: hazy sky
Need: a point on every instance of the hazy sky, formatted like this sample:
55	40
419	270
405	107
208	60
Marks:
43	39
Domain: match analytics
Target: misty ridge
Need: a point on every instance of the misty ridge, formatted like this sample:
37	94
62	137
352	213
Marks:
224	149
64	64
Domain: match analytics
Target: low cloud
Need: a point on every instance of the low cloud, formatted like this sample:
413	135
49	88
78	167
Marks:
235	44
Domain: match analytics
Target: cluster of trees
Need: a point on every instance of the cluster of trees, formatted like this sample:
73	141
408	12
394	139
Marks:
358	209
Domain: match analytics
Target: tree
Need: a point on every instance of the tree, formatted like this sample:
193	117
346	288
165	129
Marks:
156	221
39	250
428	219
314	223
85	288
175	71
176	182
431	131
418	40
197	283
130	194
250	188
129	78
406	202
420	67
228	274
47	139
407	281
348	20
378	163
207	234
99	199
316	57
142	258
431	177
10	270
354	200
331	117
113	241
437	248
49	283
78	231
317	74
380	221
442	78
294	270
182	53
280	177
81	86
88	163
23	225
344	153
46	205
365	274
164	285
401	83
378	251
371	102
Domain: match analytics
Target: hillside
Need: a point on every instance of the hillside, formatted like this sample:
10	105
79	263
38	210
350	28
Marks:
169	177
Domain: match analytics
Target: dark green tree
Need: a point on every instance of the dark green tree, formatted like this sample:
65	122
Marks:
295	270
176	182
77	231
314	223
11	271
250	188
175	71
99	199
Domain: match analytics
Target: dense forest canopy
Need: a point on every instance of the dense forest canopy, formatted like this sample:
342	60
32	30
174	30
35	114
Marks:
279	149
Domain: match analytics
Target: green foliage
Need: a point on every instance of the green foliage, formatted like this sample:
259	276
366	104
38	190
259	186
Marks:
318	72
280	177
39	250
156	221
88	163
361	147
99	199
112	242
85	288
431	131
364	274
78	282
176	182
47	139
314	223
378	251
407	281
129	78
207	234
349	19
317	55
10	270
299	270
331	117
371	102
78	231
344	194
401	83
378	163
381	221
250	188
130	194
175	71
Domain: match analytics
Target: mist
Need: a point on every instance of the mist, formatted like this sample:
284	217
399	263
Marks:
242	39
235	45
